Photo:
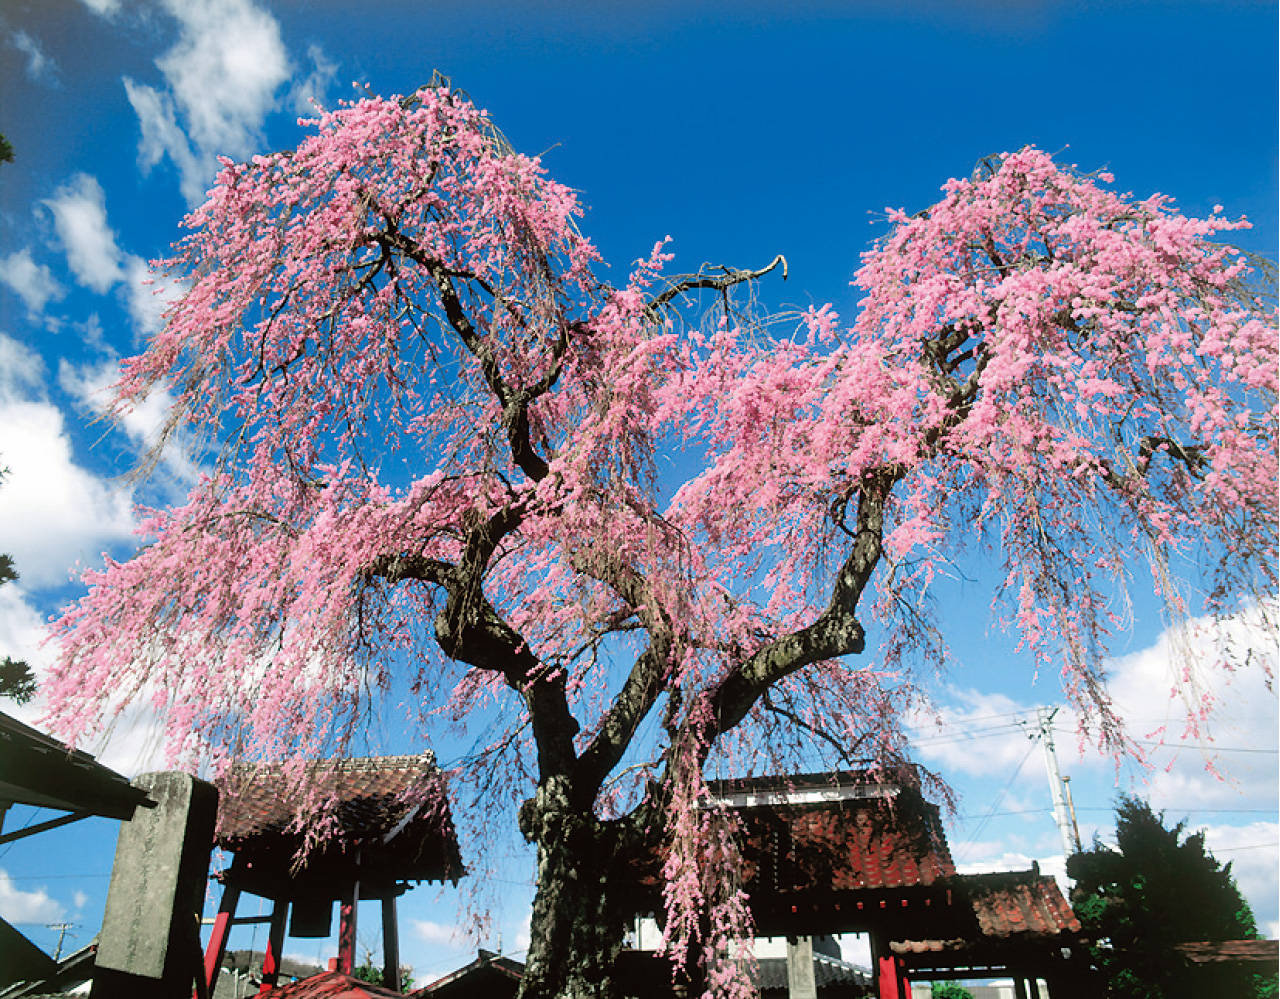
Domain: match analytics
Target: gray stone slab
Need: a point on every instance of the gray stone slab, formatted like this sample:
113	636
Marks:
158	880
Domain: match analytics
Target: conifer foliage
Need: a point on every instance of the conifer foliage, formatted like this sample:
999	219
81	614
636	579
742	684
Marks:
1159	888
458	469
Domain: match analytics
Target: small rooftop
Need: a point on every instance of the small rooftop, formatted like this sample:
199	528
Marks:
391	817
997	912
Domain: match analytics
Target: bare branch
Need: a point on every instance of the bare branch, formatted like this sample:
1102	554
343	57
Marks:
722	282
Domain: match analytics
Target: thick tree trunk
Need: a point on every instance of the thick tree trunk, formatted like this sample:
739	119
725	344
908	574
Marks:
579	911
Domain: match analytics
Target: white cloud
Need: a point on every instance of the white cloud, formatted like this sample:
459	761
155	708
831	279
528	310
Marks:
33	283
103	8
162	136
975	733
79	210
40	67
79	899
80	217
22	635
52	511
1253	851
438	933
524	933
18	906
21	371
1154	689
146	300
315	86
1054	864
132	742
221	79
90	385
1230	769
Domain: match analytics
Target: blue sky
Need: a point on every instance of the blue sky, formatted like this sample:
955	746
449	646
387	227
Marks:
740	129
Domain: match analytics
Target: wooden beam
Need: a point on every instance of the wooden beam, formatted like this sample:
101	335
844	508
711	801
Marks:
218	938
40	827
390	944
275	946
350	903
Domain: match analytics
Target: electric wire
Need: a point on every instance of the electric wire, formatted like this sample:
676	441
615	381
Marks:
995	804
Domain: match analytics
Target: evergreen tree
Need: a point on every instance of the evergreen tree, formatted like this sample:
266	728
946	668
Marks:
16	679
368	972
1156	890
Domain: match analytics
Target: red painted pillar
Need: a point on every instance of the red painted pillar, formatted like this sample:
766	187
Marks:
891	977
275	947
218	938
890	982
347	927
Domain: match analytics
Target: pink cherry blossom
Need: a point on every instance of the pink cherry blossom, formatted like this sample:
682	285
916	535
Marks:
453	461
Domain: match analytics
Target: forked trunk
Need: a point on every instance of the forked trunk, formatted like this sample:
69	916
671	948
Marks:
580	909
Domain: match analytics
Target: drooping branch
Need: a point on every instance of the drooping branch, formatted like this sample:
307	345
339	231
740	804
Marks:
515	403
1190	455
645	681
836	631
728	278
841	750
469	629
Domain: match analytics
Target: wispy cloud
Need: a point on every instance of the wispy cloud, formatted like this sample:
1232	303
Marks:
221	80
314	87
19	906
90	385
104	8
80	218
438	933
1153	690
33	283
40	67
96	261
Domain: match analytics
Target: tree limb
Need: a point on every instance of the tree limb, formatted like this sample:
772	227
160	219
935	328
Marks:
730	277
836	632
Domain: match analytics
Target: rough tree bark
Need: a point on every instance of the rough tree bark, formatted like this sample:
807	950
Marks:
580	909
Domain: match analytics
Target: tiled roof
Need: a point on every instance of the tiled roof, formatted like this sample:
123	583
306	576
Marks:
372	794
331	985
1231	951
394	809
489	975
1018	902
1014	906
891	838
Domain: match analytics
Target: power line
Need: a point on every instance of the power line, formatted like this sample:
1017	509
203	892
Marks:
996	803
982	733
1208	748
962	732
1100	808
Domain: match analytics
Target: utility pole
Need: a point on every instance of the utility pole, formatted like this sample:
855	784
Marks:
62	934
1071	806
1044	732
